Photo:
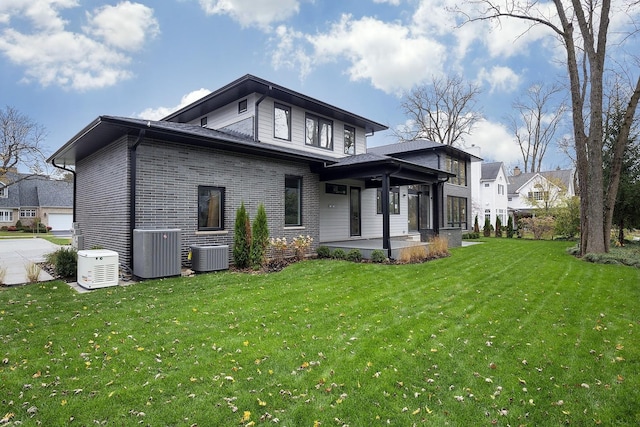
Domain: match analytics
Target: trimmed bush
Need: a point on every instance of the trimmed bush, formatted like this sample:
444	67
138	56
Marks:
486	230
64	261
476	227
242	238
470	236
354	255
510	230
260	240
498	227
323	252
378	256
339	254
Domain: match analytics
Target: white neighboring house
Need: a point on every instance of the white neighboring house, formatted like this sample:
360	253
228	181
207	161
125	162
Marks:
493	194
548	188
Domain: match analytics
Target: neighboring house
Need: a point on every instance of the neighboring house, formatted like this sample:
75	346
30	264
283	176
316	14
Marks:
493	194
28	198
253	141
528	192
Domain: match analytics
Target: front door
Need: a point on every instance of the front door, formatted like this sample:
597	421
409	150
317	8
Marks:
354	212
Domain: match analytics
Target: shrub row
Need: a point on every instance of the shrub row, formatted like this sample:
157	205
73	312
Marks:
353	255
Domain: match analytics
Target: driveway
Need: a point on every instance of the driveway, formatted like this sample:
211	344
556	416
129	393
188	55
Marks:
16	254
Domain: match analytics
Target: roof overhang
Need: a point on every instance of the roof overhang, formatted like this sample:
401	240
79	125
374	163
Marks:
249	84
106	129
400	172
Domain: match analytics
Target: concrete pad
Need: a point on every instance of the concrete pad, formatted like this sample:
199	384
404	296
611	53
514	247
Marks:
16	254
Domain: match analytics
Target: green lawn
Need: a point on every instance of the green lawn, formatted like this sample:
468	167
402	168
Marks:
46	236
509	332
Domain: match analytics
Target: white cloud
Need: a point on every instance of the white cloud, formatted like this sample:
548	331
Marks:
502	79
52	55
125	26
261	13
391	2
158	113
386	54
495	141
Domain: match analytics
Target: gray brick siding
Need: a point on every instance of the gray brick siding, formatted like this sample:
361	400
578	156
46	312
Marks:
168	176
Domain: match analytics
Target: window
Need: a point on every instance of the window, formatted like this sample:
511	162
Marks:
27	213
457	212
459	167
500	189
487	185
6	216
210	208
538	195
319	132
394	201
487	214
242	106
203	121
292	201
281	122
349	140
4	191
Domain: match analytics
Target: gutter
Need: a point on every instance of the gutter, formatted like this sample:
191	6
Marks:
132	190
64	168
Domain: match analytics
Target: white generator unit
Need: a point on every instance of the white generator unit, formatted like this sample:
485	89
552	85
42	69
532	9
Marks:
97	268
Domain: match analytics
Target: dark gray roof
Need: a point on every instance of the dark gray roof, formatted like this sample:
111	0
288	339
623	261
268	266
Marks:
249	84
36	191
419	145
106	129
490	171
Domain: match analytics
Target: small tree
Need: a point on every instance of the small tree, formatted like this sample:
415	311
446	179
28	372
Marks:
260	240
242	238
568	218
476	227
486	230
539	225
510	231
498	227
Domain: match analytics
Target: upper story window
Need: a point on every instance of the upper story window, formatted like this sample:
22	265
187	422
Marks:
4	191
203	121
459	167
349	140
242	106
319	132
210	208
281	121
500	189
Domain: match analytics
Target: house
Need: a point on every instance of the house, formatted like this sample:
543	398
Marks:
493	193
253	141
31	198
528	192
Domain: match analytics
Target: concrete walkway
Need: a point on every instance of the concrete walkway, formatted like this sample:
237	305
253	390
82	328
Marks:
16	254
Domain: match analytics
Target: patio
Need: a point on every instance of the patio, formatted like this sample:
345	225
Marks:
366	246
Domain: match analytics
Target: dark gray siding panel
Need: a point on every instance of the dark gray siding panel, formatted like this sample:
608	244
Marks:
102	181
169	175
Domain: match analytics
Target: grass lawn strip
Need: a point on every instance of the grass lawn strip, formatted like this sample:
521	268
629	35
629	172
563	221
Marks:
508	332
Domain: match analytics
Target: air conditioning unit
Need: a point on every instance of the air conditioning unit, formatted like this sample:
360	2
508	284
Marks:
209	258
156	253
97	268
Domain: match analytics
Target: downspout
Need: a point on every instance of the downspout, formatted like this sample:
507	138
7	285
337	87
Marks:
64	168
255	123
132	191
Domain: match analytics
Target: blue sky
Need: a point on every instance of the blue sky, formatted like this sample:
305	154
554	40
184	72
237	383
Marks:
65	62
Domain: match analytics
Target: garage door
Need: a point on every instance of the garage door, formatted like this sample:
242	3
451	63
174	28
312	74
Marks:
60	221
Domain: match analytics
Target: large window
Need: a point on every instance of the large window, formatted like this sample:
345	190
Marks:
457	212
349	140
6	216
27	213
538	195
292	201
319	132
394	201
282	122
210	208
459	167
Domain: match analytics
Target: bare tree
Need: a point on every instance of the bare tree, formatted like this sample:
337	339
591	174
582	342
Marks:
535	122
582	27
442	111
20	142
